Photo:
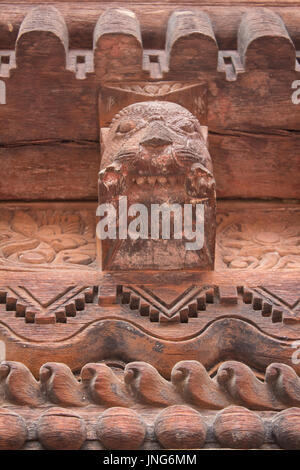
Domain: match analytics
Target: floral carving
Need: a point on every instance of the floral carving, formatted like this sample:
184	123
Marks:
260	240
46	237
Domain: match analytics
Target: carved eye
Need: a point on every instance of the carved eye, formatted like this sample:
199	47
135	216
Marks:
125	126
188	126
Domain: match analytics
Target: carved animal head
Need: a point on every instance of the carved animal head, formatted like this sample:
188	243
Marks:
154	145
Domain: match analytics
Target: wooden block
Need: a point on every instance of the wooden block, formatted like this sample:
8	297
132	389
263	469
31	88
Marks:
42	319
263	41
228	295
117	45
107	295
190	42
42	41
115	96
269	167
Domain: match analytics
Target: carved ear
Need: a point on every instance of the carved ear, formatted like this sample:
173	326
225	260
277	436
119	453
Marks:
204	132
103	137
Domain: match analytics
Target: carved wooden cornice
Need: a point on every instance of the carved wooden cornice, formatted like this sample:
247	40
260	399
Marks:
30	233
112	409
155	323
239	69
140	383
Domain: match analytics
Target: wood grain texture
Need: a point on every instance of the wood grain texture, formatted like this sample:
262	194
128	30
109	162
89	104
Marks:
254	113
82	19
60	422
117	45
65	170
225	338
148	359
237	428
190	42
274	176
263	31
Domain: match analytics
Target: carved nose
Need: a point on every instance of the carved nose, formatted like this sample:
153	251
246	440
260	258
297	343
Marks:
157	136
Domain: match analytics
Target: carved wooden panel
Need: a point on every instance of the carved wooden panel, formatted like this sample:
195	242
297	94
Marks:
110	345
157	323
47	236
137	407
259	237
249	236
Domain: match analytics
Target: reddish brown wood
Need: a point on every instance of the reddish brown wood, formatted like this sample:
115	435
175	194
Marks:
237	428
61	430
154	353
251	121
141	384
95	428
190	42
180	427
117	45
263	41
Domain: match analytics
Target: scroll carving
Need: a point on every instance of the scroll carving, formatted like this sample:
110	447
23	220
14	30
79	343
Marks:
140	383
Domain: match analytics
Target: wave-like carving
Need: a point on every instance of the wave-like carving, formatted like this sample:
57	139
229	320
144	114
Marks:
224	339
141	383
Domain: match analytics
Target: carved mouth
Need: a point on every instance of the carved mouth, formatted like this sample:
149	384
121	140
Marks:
124	174
157	180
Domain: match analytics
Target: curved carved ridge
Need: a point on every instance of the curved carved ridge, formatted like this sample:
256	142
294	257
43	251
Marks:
117	44
264	42
141	383
43	39
226	338
190	41
148	386
18	385
191	380
104	387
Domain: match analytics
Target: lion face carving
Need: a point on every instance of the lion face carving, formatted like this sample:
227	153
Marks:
155	146
155	153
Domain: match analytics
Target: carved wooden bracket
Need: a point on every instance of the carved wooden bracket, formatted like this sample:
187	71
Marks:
155	154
